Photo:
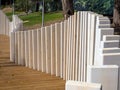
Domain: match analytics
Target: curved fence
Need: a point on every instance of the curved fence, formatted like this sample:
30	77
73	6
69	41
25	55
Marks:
82	48
63	49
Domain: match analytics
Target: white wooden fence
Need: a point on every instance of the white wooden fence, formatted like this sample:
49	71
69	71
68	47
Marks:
63	49
6	26
82	48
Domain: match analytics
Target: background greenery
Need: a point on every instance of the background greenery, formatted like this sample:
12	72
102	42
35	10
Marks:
100	6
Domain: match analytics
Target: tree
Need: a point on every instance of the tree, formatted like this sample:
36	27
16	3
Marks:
116	15
67	8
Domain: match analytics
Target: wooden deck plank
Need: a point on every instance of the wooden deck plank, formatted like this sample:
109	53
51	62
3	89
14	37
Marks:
14	77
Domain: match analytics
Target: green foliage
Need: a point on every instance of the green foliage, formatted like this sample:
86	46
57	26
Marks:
23	5
36	18
99	6
26	5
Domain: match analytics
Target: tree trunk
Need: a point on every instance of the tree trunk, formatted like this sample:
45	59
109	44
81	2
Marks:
116	15
67	8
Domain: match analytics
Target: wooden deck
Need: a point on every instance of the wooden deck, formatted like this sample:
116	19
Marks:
14	77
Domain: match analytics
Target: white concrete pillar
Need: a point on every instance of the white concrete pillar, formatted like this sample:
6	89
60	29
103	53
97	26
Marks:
75	85
106	75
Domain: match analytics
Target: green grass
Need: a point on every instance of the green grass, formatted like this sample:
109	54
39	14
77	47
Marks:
36	18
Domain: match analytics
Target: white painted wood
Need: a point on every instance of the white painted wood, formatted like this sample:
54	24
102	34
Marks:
106	75
61	48
65	49
22	48
30	49
53	61
70	44
80	48
16	48
48	50
43	50
26	49
57	48
19	47
12	47
77	46
75	85
34	49
67	44
39	62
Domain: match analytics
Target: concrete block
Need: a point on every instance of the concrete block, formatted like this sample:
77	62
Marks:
110	50
105	26
110	44
111	37
105	31
106	75
104	21
76	85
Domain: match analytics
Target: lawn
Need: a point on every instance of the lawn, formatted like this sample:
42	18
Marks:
35	18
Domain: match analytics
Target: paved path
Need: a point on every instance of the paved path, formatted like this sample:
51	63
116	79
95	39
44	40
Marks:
14	77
